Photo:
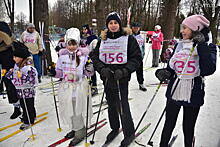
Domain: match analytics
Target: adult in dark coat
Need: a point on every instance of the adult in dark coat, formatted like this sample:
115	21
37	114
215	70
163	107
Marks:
7	62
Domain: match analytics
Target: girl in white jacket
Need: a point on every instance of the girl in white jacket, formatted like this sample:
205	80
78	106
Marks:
73	68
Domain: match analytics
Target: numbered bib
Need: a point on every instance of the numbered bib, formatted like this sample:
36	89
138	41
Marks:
179	61
30	38
140	40
114	51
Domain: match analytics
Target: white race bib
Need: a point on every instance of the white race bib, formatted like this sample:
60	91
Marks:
140	40
178	62
114	51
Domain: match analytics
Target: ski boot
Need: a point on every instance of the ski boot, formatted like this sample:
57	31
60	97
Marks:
69	135
127	141
111	136
16	113
142	88
79	136
24	126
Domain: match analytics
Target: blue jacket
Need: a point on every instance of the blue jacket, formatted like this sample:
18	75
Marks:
207	64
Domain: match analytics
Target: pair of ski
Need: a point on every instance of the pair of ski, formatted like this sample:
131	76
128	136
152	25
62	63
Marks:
102	122
136	135
18	131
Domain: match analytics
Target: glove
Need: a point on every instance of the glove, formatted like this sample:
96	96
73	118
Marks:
89	68
120	73
198	37
163	74
51	70
107	73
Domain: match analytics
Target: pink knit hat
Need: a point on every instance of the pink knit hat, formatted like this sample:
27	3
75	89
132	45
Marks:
196	22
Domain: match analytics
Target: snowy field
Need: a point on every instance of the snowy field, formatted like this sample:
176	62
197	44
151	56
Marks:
207	128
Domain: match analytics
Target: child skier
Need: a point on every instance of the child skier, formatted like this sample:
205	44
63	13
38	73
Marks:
24	77
72	67
186	70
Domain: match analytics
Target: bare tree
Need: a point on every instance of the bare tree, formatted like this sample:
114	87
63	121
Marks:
211	11
20	20
30	11
41	14
168	19
2	10
9	5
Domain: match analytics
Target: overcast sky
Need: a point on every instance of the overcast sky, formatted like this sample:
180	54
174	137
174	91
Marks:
22	6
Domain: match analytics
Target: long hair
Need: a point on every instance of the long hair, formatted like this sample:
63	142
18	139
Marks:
73	42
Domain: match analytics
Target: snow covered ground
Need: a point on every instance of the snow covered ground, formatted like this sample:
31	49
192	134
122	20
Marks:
207	128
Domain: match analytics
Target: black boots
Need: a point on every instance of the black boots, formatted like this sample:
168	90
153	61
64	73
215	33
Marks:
16	113
111	136
69	135
127	141
142	88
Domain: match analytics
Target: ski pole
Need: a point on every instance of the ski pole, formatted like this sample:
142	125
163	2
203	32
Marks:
164	110
161	116
92	141
119	96
58	120
28	116
152	99
87	113
147	56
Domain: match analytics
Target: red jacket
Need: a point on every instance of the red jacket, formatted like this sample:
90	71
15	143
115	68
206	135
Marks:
157	38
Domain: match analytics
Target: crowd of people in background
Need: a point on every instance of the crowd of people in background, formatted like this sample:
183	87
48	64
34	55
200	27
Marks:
114	54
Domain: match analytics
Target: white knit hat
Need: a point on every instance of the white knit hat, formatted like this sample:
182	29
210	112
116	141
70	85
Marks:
72	34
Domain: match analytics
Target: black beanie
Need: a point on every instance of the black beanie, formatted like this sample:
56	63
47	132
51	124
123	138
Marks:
20	50
113	16
86	26
5	32
135	24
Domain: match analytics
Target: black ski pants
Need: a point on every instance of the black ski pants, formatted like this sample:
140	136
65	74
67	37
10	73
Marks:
189	120
30	108
112	96
140	75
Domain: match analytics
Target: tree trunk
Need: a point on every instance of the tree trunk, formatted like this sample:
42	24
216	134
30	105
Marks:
168	19
30	11
41	15
99	8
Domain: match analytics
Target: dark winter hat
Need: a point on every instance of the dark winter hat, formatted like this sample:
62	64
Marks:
113	16
86	26
20	50
135	24
5	33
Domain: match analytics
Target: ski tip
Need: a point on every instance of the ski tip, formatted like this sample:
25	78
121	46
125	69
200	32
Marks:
59	129
92	142
87	144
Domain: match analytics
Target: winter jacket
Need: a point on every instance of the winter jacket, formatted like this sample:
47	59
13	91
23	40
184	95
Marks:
25	85
207	65
156	38
32	41
6	57
67	69
134	58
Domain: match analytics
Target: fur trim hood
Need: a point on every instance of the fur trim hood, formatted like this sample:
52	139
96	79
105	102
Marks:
126	31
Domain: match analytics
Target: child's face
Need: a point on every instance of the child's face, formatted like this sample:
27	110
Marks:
17	59
113	26
135	29
72	48
186	32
